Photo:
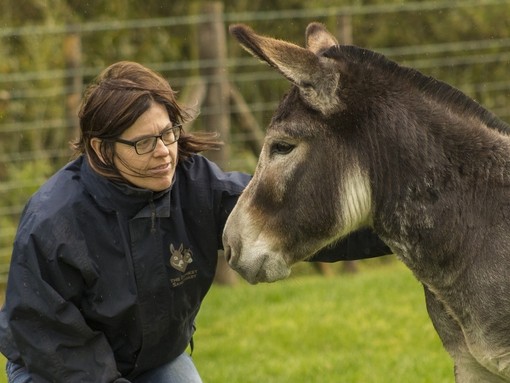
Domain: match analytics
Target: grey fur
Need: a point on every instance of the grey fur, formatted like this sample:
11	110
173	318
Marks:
438	171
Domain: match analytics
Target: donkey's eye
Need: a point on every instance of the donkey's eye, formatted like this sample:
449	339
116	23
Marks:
281	148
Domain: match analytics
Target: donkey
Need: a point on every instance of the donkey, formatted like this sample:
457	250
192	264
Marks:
361	142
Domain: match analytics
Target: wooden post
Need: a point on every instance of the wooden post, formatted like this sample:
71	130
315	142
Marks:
213	49
248	123
344	30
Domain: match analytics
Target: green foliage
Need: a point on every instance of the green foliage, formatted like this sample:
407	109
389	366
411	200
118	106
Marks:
24	179
40	99
28	174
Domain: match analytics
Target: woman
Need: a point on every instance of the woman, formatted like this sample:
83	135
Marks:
116	251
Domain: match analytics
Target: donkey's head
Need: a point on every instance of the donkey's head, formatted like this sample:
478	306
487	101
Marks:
309	188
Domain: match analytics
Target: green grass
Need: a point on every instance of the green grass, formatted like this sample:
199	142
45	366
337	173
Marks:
366	327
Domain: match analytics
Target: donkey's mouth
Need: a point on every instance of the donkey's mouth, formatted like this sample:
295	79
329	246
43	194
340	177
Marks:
258	267
272	269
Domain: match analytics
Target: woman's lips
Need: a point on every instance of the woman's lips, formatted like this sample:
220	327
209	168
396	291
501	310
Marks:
161	169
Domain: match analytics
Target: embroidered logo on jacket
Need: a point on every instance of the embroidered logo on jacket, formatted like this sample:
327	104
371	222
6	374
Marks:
180	258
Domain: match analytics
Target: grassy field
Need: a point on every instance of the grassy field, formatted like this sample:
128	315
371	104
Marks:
367	327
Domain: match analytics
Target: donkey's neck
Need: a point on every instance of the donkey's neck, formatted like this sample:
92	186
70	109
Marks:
442	196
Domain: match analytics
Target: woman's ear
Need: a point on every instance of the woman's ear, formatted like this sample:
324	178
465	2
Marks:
96	145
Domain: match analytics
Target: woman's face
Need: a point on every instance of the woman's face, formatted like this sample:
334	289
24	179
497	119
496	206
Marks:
154	170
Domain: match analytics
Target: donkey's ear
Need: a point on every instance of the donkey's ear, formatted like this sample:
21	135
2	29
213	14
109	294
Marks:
291	60
317	77
318	39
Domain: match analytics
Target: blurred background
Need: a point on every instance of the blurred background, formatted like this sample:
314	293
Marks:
50	50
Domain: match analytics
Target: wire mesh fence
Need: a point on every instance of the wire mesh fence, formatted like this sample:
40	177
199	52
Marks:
45	68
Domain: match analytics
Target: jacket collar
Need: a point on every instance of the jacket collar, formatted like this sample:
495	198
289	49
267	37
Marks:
123	198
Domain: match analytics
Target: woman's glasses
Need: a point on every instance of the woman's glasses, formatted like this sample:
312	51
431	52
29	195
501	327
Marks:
148	144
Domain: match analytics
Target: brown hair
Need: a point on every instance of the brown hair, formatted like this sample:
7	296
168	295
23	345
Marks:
115	100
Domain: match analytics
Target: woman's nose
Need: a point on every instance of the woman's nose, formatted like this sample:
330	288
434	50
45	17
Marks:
161	148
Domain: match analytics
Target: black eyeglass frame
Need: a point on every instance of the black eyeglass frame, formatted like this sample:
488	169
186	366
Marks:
177	130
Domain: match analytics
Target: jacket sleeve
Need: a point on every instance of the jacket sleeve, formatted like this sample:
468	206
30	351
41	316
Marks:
358	245
48	329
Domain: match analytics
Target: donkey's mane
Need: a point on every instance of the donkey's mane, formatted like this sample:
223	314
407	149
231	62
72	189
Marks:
441	91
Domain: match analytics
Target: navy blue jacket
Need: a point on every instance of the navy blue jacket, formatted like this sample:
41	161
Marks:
106	280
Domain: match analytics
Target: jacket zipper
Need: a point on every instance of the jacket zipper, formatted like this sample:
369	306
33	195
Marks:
153	216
